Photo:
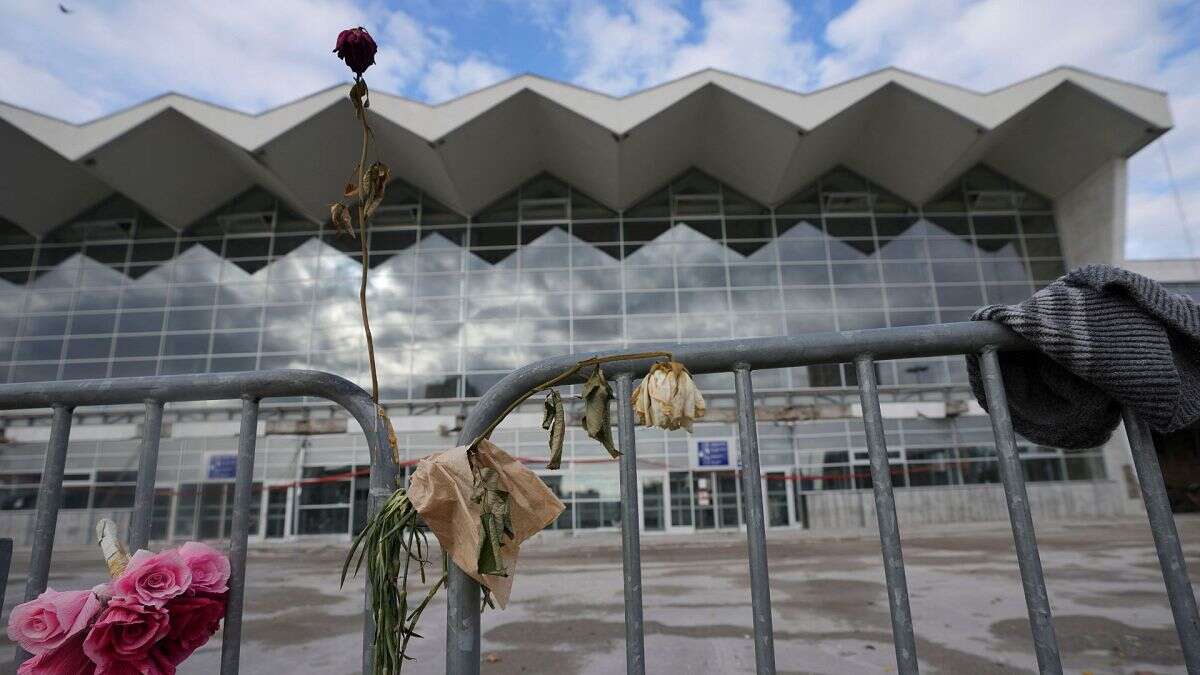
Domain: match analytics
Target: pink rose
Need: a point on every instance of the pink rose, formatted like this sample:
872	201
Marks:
210	568
125	631
153	578
46	622
67	659
194	619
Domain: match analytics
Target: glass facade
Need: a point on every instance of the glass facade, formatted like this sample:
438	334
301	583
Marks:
458	302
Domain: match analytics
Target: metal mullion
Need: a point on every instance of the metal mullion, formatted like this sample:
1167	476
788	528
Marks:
885	512
76	289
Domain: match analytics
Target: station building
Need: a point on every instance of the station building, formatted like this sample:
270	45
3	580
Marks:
532	219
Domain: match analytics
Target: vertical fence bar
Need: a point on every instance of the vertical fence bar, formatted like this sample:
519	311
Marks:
1166	540
231	643
1033	583
143	496
631	545
384	468
6	546
49	500
885	512
756	529
462	623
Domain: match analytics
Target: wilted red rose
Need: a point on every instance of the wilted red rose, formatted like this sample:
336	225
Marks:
357	48
194	619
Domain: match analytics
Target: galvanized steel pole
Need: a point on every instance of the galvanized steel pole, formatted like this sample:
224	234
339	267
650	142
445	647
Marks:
756	535
231	638
143	496
631	546
885	513
1033	583
1166	540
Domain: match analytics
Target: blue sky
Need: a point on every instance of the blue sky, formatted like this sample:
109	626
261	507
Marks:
255	54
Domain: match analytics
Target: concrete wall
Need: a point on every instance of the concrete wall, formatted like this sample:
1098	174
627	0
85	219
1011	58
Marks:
836	510
1091	217
75	527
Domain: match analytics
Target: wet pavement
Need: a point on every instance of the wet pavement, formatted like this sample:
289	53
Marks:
829	600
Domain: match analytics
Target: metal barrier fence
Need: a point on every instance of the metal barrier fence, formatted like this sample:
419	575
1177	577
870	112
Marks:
154	392
741	357
863	348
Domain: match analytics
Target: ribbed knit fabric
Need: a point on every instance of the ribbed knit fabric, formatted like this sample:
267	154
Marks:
1106	338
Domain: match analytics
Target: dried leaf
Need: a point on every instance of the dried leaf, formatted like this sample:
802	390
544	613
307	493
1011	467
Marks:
350	191
339	214
374	183
391	433
555	420
360	96
596	394
496	519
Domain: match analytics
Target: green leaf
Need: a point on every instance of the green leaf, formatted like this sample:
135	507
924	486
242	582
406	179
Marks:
555	420
596	394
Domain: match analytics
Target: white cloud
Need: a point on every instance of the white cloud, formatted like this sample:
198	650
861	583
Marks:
647	42
250	55
444	80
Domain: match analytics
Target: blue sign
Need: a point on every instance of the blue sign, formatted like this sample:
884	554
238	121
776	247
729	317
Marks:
712	453
222	467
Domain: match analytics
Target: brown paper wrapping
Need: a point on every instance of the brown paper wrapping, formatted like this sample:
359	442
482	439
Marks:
440	490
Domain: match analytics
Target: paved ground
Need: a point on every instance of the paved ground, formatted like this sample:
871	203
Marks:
830	606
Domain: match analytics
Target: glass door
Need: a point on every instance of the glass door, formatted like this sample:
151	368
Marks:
729	502
778	499
653	506
680	497
704	500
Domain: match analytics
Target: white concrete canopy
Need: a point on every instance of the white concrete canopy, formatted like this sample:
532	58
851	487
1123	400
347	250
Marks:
180	158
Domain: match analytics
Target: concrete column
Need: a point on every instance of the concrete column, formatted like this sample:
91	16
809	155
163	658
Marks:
1091	217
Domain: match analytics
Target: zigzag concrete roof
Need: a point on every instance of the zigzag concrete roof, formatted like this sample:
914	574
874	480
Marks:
180	158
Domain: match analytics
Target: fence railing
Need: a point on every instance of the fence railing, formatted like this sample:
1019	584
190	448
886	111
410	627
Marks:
863	348
741	357
64	397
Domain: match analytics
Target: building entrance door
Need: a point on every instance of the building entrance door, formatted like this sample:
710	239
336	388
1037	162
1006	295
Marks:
716	499
653	502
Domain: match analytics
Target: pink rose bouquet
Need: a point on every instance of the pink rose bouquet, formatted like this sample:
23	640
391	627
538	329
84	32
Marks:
156	611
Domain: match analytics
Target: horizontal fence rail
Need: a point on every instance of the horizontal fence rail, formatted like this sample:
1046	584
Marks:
863	348
154	392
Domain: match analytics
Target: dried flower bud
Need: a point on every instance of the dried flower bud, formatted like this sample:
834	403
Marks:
357	48
667	398
339	215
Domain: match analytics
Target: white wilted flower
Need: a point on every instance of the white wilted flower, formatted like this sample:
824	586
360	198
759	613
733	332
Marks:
667	398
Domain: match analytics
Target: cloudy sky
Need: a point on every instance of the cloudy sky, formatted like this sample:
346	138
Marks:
255	54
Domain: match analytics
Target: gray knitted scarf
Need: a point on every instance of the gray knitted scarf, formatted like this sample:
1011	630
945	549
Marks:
1106	338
